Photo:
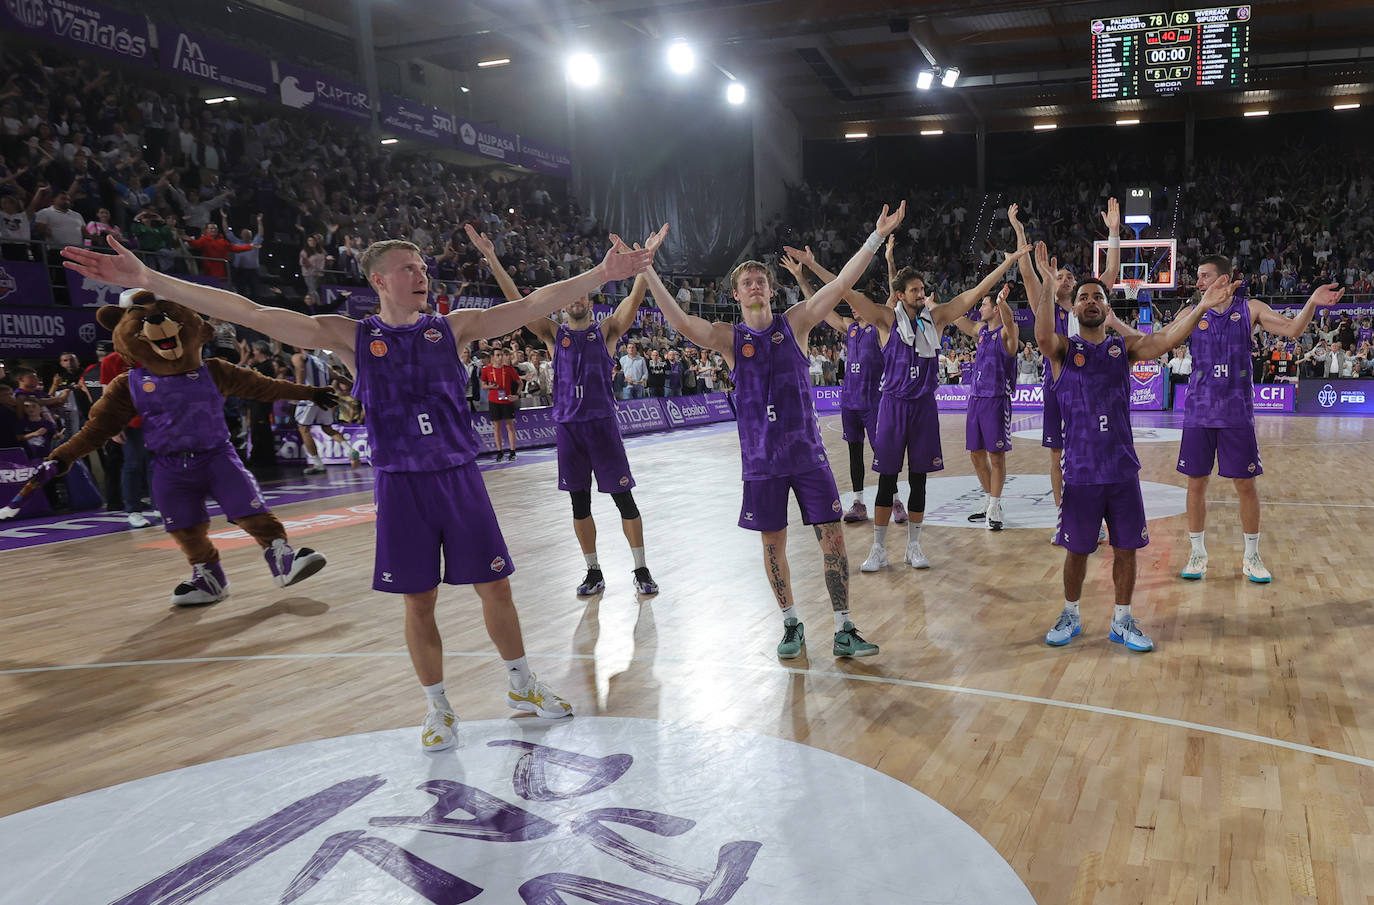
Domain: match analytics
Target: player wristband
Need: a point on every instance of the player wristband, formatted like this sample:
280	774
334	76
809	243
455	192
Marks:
1114	243
873	243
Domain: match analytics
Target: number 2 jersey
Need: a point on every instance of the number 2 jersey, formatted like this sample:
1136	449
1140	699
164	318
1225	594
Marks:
1093	389
1220	388
413	388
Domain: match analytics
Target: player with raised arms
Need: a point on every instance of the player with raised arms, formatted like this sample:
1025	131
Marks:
779	434
987	430
908	421
588	436
433	510
1090	377
1219	418
863	374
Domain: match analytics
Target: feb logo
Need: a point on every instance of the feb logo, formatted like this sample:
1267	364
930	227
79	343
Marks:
498	564
747	350
1326	396
1079	360
433	335
776	337
377	348
1114	351
149	386
567	341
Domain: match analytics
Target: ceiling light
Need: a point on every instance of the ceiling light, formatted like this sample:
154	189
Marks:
219	100
464	88
584	70
932	131
1256	112
1128	122
734	93
1045	127
856	135
1346	107
487	64
390	141
950	76
924	79
681	59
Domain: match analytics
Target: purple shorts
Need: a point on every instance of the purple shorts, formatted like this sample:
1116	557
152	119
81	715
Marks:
1233	448
765	500
989	423
1084	508
854	423
1052	431
423	514
182	482
907	428
585	447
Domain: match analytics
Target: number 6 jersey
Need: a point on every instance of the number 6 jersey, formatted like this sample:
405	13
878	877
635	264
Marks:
414	392
1220	387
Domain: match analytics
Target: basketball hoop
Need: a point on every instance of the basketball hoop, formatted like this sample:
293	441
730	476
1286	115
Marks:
1133	288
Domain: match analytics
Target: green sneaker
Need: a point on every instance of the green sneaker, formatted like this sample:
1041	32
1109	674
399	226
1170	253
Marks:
793	639
849	644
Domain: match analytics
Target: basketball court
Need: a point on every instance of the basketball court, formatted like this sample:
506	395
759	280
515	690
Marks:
1231	764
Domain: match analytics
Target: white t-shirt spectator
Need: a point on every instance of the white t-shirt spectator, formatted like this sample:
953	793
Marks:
1181	367
64	228
15	227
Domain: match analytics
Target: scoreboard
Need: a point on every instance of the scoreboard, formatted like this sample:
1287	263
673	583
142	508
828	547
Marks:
1168	53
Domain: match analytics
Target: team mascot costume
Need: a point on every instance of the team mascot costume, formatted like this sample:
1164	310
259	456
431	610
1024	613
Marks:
181	400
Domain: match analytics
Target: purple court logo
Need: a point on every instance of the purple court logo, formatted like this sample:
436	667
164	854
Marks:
1326	396
589	810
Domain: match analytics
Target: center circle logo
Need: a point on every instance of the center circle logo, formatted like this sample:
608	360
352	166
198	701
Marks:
592	809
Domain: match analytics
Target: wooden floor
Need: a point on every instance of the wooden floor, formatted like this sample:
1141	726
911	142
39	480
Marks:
1234	764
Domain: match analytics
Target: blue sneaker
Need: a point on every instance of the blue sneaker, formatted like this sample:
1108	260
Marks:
1128	632
1065	630
793	639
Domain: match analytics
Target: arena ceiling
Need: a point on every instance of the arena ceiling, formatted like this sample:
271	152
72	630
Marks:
842	65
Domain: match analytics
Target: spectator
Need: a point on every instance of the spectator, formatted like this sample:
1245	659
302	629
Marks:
636	372
59	225
214	251
313	261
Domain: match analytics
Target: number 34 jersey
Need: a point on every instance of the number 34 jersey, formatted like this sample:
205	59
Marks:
1220	390
413	388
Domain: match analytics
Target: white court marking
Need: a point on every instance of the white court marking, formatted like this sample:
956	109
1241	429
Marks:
731	665
594	808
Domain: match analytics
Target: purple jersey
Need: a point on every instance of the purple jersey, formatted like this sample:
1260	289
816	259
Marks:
907	374
581	375
1061	326
414	390
1094	396
863	369
1364	335
181	413
1219	389
994	370
778	431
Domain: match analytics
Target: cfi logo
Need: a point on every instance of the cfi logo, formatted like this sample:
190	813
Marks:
567	341
1114	351
498	564
1326	396
377	348
149	386
433	335
747	350
1079	360
777	337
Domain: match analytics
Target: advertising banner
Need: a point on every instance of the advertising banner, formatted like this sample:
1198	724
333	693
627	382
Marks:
238	72
86	26
644	317
688	411
1147	386
48	332
489	142
24	283
306	89
1269	398
1336	397
86	292
640	416
411	119
544	158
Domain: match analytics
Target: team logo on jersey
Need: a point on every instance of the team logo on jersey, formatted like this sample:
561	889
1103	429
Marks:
255	504
376	332
1235	315
835	505
853	331
1202	324
378	348
1145	534
498	564
433	335
937	462
747	350
149	386
1250	468
194	375
1001	443
1079	360
567	341
624	480
776	337
1114	351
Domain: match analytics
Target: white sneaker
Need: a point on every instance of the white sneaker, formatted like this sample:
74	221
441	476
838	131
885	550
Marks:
136	520
1254	569
1197	565
915	556
994	516
1067	626
538	699
877	558
439	731
1128	632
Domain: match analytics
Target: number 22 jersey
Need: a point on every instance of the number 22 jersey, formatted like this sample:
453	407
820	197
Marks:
413	388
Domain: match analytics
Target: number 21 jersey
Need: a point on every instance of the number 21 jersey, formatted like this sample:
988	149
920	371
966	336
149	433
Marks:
413	388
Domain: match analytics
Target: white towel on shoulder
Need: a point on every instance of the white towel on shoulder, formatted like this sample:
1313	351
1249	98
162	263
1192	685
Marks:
927	341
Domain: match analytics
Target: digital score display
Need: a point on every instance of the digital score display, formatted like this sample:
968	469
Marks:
1168	53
